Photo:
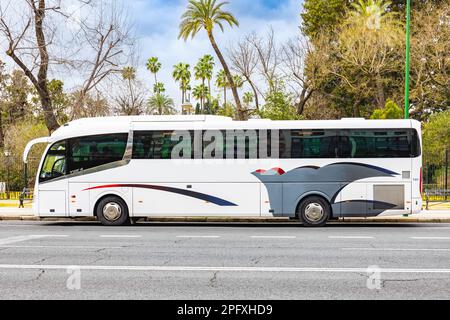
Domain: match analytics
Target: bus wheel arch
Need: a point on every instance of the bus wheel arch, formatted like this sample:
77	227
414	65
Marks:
112	210
314	210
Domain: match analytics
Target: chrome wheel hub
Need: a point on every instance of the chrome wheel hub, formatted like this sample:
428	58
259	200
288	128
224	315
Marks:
314	212
112	211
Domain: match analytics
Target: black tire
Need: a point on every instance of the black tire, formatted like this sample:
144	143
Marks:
113	211
314	211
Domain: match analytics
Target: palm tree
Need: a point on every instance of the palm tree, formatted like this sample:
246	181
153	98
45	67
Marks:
205	14
202	72
208	64
200	92
248	98
129	75
159	87
222	82
238	81
153	65
372	12
160	104
182	74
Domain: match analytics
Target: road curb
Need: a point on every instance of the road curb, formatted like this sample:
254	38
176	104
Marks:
404	220
212	219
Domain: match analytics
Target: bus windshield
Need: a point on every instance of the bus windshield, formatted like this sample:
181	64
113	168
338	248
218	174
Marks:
55	162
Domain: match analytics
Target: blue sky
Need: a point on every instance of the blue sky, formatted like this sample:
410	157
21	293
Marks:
156	23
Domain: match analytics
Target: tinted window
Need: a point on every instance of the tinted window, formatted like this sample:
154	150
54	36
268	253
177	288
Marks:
232	144
292	144
416	148
396	143
94	151
300	144
160	144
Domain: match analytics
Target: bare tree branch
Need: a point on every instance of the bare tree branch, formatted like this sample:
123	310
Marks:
244	60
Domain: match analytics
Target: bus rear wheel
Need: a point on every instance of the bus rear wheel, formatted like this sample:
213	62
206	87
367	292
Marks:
314	211
113	211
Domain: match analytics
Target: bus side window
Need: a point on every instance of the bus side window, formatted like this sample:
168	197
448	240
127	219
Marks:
93	151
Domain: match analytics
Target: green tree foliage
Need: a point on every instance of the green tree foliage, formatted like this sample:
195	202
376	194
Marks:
18	92
160	104
209	63
203	71
248	98
61	100
430	61
322	16
159	87
227	110
359	60
16	138
182	74
279	106
436	136
361	64
153	65
200	93
222	82
390	111
212	107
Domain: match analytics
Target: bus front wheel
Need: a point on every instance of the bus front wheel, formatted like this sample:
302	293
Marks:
112	211
314	211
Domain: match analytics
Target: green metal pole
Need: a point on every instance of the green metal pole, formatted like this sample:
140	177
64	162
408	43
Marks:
408	45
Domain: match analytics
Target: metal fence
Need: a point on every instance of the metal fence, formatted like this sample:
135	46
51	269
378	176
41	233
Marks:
436	177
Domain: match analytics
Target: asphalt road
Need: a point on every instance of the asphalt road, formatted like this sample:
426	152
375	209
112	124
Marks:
49	260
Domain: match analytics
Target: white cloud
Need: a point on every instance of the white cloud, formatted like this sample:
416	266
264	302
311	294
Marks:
156	23
163	41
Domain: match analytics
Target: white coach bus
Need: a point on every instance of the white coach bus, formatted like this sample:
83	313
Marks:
123	168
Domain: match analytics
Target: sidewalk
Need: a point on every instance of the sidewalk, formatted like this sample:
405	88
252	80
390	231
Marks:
14	203
431	216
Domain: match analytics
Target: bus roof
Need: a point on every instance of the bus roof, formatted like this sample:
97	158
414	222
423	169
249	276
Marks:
104	125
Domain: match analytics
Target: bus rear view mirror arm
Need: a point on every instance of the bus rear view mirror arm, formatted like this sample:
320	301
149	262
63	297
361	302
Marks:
30	146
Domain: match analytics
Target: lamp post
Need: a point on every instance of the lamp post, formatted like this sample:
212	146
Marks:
407	67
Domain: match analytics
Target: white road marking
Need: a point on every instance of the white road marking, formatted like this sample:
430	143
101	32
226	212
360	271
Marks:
10	240
430	238
351	237
395	249
214	237
56	246
436	228
226	269
273	237
119	236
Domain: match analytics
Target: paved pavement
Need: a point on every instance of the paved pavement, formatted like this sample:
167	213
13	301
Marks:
75	260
